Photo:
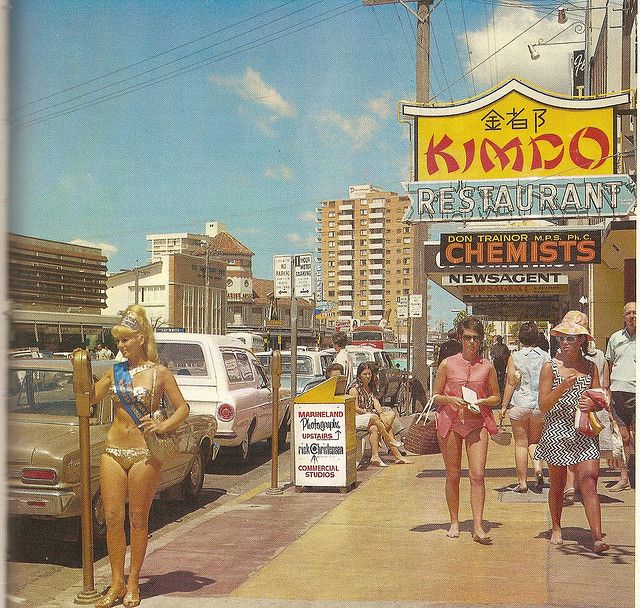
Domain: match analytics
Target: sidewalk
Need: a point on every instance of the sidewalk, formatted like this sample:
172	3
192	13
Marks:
384	544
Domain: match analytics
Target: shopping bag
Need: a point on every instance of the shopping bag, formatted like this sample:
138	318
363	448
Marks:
422	437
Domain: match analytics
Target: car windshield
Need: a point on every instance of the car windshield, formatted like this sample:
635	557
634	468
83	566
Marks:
304	366
367	335
41	392
183	359
359	357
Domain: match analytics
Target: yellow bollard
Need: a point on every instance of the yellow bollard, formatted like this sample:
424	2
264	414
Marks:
276	372
83	388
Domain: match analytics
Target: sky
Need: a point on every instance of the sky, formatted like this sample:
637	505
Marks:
130	118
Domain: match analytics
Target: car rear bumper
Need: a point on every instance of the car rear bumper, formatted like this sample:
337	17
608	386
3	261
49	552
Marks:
40	502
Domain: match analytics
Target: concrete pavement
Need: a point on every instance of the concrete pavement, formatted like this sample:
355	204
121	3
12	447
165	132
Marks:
384	544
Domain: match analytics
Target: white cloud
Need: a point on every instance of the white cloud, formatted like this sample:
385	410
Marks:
281	173
297	239
382	106
552	70
307	216
358	129
252	87
107	249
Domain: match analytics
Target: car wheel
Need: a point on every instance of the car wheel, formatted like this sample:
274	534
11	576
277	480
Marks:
193	482
282	432
99	520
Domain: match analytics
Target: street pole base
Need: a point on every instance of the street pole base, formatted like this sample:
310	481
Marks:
87	597
274	491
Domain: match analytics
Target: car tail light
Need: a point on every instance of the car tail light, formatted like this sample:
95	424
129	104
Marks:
39	476
226	412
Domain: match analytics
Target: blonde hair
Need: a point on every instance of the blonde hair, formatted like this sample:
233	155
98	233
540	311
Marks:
134	320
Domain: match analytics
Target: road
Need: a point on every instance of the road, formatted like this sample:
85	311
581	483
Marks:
40	563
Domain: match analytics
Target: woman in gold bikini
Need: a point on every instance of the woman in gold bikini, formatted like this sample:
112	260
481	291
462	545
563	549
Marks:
126	467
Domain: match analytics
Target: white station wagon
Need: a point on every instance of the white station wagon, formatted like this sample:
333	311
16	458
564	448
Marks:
219	375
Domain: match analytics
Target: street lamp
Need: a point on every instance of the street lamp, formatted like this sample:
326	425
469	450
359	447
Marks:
578	28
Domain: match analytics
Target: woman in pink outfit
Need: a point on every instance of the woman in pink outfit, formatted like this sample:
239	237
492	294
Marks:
461	421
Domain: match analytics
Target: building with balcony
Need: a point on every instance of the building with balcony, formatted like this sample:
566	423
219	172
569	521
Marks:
366	254
57	293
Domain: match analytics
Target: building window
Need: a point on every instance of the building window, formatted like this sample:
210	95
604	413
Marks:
331	234
363	262
332	224
363	273
332	213
406	250
331	264
364	211
406	240
363	241
332	293
363	233
363	253
363	302
332	273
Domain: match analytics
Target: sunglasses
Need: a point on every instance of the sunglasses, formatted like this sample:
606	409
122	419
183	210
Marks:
467	338
567	339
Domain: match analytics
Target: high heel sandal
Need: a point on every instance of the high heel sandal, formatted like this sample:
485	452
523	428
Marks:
131	599
111	598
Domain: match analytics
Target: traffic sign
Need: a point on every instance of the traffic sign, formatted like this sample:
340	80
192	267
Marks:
303	265
282	276
415	306
402	305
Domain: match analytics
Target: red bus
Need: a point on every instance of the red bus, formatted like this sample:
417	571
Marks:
374	335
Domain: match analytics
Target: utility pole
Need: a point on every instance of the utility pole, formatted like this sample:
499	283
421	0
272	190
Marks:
421	232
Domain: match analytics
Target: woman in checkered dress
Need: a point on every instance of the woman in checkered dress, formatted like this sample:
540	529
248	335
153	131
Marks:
562	384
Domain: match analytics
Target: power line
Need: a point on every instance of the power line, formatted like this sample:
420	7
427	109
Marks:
466	35
453	38
152	57
153	69
384	37
203	62
500	49
412	53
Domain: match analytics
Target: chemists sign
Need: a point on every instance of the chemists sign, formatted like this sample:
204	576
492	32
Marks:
521	248
517	152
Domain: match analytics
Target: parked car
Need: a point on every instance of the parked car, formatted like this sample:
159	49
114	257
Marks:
311	367
398	357
44	452
390	377
219	376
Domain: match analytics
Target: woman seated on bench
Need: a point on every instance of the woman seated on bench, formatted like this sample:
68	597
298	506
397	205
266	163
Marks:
368	410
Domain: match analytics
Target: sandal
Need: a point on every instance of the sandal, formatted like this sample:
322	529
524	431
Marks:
521	489
403	461
483	540
377	463
618	487
111	598
131	599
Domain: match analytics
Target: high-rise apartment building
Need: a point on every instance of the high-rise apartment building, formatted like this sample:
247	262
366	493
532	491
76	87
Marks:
366	255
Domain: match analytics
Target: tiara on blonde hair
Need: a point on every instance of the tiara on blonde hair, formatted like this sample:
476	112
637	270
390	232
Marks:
130	321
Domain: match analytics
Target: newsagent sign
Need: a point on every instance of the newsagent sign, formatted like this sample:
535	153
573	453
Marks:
517	152
521	248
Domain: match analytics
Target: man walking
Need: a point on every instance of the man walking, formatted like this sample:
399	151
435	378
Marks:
342	357
500	354
621	355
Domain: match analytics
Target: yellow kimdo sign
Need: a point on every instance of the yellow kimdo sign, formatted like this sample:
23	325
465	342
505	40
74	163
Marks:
514	131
